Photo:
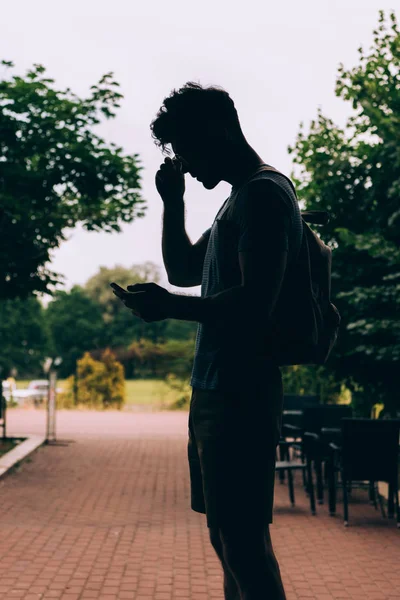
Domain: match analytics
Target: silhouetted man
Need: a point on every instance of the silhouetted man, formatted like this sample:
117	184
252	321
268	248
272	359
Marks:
240	262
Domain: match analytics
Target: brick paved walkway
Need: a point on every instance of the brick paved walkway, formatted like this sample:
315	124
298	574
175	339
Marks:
107	516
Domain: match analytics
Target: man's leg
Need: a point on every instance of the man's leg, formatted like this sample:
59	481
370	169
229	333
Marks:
231	590
248	553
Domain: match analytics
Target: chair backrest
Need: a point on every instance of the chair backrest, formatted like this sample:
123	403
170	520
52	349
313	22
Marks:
329	415
370	449
297	402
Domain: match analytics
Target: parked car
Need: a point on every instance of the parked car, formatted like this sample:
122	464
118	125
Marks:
10	391
9	386
36	391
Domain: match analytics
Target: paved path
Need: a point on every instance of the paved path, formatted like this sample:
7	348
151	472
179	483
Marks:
107	516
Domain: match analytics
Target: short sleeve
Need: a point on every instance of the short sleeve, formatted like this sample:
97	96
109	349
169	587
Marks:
263	218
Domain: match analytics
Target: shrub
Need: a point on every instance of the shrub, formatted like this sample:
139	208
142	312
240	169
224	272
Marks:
66	398
98	384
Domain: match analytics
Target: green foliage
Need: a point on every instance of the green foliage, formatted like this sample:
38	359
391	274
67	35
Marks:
302	379
354	173
178	357
180	330
56	172
76	325
91	318
97	384
182	393
66	398
24	337
172	360
158	359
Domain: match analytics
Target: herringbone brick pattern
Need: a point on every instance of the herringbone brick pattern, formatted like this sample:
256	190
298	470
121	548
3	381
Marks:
107	516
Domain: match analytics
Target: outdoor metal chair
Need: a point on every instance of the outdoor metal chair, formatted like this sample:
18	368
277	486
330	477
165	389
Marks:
368	452
325	422
293	407
290	465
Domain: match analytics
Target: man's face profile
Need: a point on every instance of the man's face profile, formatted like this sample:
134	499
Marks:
199	159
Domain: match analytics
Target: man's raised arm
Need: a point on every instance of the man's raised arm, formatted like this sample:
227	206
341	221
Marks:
183	260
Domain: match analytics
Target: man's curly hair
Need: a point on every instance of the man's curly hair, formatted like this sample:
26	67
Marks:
190	108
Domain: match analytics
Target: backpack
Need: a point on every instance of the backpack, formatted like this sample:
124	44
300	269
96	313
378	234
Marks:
305	324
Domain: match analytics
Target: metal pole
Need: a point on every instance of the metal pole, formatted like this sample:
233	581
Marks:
51	407
3	409
48	410
54	403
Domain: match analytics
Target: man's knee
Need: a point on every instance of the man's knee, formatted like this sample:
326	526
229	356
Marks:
215	538
241	542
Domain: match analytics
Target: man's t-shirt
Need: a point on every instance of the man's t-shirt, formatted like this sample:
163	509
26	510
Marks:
224	351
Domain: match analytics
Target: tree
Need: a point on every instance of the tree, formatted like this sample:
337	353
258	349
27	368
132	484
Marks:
354	173
55	172
91	318
76	326
180	330
24	337
161	358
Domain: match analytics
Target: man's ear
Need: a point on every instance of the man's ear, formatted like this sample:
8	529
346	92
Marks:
218	136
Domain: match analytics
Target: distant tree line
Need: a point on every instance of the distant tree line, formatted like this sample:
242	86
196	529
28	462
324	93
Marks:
89	318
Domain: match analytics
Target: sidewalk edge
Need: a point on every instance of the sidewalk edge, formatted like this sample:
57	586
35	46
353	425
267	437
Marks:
16	455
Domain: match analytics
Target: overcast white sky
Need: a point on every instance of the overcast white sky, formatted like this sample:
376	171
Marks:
278	61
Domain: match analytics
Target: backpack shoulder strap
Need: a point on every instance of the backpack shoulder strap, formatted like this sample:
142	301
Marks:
318	217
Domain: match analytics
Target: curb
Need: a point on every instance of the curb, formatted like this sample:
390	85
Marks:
16	455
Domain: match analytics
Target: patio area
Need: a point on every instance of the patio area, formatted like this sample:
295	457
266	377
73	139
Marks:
105	514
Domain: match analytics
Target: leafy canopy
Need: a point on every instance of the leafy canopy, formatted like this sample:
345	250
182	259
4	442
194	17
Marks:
55	172
354	173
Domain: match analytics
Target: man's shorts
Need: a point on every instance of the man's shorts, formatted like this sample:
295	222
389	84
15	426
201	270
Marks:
232	450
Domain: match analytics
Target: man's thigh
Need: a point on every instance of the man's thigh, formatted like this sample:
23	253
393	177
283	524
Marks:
236	451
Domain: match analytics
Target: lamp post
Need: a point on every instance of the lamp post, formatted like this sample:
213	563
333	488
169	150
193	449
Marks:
50	368
3	405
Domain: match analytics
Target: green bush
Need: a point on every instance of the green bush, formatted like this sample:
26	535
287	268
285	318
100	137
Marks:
66	398
98	384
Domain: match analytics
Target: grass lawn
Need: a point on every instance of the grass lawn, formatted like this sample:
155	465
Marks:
149	392
144	392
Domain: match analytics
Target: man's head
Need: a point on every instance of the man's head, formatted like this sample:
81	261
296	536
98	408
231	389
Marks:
201	126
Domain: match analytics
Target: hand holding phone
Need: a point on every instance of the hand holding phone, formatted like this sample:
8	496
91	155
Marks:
149	301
